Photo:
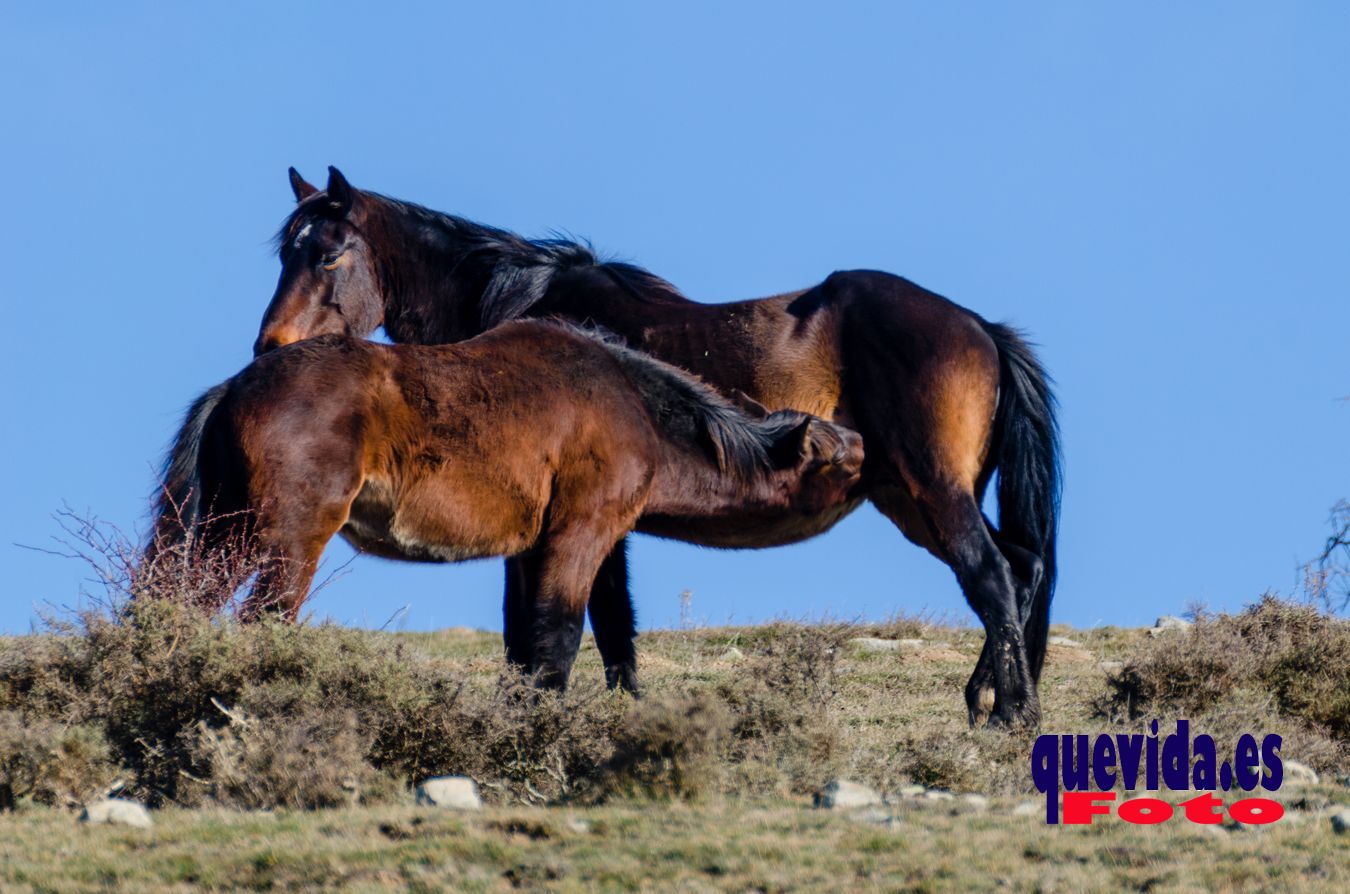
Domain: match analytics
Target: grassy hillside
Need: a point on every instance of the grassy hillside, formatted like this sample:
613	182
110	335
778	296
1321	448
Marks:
280	758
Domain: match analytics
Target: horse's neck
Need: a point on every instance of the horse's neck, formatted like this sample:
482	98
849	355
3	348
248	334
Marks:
432	293
688	484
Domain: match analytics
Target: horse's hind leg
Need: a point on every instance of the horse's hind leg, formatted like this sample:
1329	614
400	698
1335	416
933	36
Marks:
987	582
522	576
1027	570
613	620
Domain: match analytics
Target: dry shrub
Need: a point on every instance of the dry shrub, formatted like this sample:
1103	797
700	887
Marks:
988	761
313	759
669	748
520	743
784	736
51	763
163	681
1290	658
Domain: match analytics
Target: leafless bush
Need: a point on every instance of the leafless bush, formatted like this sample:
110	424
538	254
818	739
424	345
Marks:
1327	578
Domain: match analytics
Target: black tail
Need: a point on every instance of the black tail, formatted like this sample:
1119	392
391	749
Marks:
178	503
1028	457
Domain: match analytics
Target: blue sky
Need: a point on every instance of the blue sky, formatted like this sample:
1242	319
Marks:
1160	194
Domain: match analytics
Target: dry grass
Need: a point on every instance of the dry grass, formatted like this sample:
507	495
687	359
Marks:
677	847
703	785
188	709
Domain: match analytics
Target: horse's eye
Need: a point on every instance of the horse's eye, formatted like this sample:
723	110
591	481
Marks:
330	260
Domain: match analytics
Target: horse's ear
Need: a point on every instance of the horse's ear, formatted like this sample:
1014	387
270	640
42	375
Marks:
302	188
339	191
794	445
748	405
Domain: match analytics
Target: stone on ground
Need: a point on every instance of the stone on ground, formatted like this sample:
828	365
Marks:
842	794
117	812
1340	822
1296	773
1168	622
451	792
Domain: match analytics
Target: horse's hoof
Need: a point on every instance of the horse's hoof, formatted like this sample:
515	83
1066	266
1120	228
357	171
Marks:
980	705
624	679
1027	718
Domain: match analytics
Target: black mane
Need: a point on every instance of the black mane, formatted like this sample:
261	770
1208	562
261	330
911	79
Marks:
683	405
511	273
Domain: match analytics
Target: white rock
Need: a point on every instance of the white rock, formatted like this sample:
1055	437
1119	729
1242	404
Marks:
117	812
1064	641
1029	808
453	792
1340	822
579	826
1171	622
733	654
979	802
911	791
844	794
937	795
1296	773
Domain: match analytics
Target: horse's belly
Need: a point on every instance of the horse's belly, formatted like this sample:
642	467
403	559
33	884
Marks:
745	532
436	524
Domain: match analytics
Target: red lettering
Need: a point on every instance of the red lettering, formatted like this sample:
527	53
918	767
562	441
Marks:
1205	809
1081	807
1145	811
1256	811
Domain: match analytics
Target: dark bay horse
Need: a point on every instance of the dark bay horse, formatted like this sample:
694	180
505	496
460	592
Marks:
536	440
942	398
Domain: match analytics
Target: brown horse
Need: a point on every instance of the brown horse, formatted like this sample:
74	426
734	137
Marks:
536	440
942	397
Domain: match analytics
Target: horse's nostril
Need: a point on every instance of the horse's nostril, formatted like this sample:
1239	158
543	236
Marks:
273	339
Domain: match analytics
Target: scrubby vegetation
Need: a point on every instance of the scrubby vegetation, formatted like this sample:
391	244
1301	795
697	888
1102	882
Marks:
1278	661
282	756
174	706
703	784
183	707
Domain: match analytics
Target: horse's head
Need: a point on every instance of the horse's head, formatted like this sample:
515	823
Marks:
828	463
328	282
